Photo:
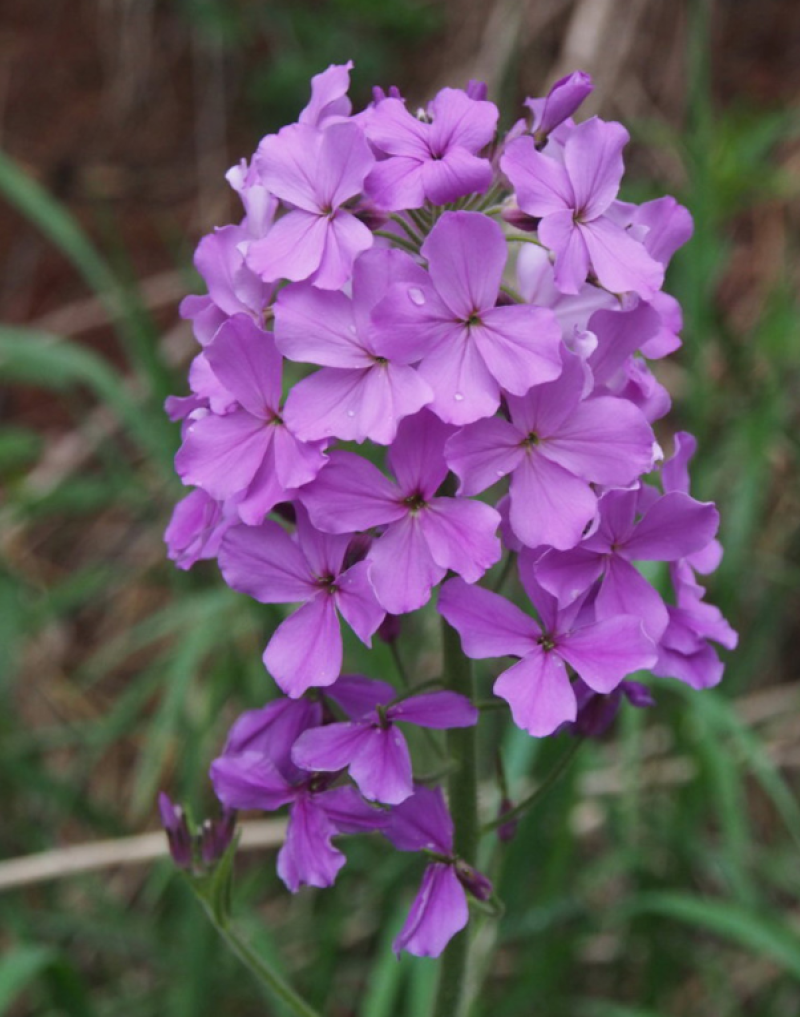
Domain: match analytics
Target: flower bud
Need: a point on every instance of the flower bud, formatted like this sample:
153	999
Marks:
173	819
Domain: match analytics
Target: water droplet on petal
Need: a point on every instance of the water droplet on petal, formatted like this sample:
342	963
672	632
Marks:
459	397
351	329
351	413
500	473
416	296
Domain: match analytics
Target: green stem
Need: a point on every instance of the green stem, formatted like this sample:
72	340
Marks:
540	791
412	236
275	985
398	241
462	789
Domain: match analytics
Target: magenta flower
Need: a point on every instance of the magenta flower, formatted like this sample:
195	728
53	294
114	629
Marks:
537	688
270	566
667	528
561	102
434	159
555	445
329	99
196	528
366	386
249	451
469	347
316	172
425	535
371	747
573	200
439	911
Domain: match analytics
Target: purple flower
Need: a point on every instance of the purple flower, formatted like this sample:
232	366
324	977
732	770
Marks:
173	819
561	102
634	526
315	172
366	386
554	446
266	563
328	96
196	528
248	451
538	688
439	911
572	200
373	750
435	158
425	535
470	348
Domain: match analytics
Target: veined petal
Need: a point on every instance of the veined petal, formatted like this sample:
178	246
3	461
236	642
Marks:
539	693
393	130
456	174
439	911
249	780
626	591
306	649
549	505
520	345
417	455
606	441
464	389
222	454
356	602
351	494
292	249
244	358
461	121
593	160
620	262
560	232
489	625
287	164
439	710
317	327
345	159
461	535
403	571
542	184
331	747
608	651
568	574
382	767
396	184
466	254
421	823
345	238
307	856
673	527
480	453
265	563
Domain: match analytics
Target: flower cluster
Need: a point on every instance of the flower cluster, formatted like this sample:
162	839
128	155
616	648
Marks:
425	347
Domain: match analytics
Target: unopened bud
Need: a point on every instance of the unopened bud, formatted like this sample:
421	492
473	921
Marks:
173	819
475	882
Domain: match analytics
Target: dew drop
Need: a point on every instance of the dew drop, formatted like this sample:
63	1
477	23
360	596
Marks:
416	296
459	397
351	413
500	473
351	329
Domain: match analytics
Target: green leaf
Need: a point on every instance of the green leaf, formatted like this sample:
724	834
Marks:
20	966
746	927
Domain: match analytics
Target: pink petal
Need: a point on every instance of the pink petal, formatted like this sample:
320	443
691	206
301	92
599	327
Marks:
307	856
562	235
568	574
439	911
351	494
382	767
606	441
403	572
607	651
626	591
330	748
222	454
356	601
306	649
673	527
461	535
292	249
539	693
543	409
456	174
481	453
466	255
593	159
317	327
541	183
417	456
548	504
520	345
249	780
489	625
286	162
265	563
460	120
245	360
396	184
345	238
345	159
296	462
620	263
439	710
393	130
464	388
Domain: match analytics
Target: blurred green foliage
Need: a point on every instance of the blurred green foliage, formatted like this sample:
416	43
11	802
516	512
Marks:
669	890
